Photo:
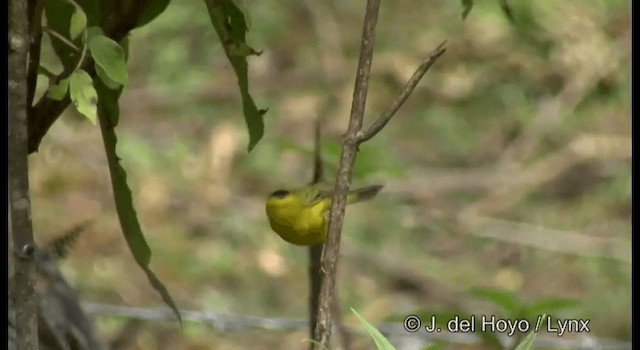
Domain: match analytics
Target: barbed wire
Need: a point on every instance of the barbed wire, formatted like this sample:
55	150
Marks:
394	331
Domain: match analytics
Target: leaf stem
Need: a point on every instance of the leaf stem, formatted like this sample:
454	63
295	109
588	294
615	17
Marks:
83	54
411	84
60	37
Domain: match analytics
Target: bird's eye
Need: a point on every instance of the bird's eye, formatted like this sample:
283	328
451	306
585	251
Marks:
280	194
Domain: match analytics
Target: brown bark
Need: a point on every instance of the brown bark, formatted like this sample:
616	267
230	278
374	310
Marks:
23	293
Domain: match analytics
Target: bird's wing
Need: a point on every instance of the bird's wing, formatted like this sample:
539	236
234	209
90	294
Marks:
315	193
325	190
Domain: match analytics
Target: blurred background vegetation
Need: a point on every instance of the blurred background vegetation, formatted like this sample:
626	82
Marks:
508	168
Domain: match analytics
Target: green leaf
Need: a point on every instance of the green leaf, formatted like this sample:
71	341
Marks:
59	91
124	43
467	5
109	56
152	10
78	22
547	305
110	83
228	21
527	342
382	343
507	300
93	32
108	117
46	72
83	94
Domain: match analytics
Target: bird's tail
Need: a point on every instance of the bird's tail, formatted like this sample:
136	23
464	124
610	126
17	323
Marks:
363	194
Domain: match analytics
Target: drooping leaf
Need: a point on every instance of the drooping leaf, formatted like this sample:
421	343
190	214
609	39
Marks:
229	23
110	83
382	343
110	97
59	91
83	94
467	5
108	117
110	57
78	22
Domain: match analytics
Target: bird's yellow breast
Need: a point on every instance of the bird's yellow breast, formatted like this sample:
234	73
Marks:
298	222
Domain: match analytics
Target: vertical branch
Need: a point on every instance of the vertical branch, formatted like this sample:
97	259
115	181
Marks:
322	332
315	251
330	61
318	169
23	292
315	278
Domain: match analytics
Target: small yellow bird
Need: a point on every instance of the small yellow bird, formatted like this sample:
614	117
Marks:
300	216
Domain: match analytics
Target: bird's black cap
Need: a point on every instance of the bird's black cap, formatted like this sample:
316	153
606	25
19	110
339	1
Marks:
279	194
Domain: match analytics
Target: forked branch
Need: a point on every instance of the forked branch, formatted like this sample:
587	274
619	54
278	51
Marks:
411	84
353	138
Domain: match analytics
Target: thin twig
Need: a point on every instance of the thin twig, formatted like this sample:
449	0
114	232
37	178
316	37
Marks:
315	281
83	55
315	251
411	84
61	37
318	168
330	253
74	4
